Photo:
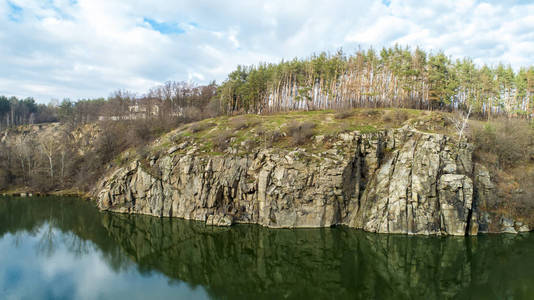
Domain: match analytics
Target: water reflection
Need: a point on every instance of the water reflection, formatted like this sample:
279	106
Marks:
244	262
58	249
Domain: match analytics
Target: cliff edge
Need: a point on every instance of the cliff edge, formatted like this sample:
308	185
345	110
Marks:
391	180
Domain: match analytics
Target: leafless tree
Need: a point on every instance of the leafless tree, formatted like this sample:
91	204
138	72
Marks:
49	146
460	121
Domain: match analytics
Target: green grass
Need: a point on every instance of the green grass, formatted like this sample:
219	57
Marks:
366	129
364	120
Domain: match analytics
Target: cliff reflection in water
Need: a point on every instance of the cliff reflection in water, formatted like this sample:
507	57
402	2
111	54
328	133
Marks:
249	261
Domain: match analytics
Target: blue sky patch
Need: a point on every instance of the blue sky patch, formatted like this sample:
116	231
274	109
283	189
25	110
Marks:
59	12
208	45
15	12
164	27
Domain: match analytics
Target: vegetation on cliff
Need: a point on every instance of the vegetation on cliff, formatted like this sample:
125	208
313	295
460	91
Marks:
245	151
506	148
291	130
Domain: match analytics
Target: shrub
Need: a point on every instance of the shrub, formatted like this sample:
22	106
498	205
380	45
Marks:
139	133
175	138
4	181
525	197
197	127
268	137
221	140
300	132
400	115
42	182
372	112
250	144
260	131
343	115
110	142
239	123
272	137
192	114
510	140
213	108
396	116
142	152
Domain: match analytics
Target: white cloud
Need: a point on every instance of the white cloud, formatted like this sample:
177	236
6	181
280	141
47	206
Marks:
30	271
88	48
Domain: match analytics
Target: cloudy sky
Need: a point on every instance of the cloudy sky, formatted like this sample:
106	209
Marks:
90	48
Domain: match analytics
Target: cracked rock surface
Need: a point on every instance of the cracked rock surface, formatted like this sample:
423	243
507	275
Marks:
393	181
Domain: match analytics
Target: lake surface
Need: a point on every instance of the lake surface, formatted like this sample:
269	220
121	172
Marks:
64	248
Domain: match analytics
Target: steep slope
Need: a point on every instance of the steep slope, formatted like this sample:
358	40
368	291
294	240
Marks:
399	180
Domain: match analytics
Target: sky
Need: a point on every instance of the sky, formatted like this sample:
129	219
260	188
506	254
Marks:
56	49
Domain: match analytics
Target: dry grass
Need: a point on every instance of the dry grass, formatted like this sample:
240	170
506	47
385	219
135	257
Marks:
239	123
201	126
506	147
343	115
298	127
511	141
221	140
242	122
300	132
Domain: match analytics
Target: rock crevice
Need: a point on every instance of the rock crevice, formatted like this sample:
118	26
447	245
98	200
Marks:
393	181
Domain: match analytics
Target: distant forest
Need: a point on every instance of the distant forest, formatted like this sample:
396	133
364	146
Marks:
178	101
391	77
62	161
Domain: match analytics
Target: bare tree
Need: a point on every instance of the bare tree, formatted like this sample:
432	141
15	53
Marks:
24	152
460	121
64	151
49	146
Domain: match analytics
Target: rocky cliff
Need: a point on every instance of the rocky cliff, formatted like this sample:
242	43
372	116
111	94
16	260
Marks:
389	181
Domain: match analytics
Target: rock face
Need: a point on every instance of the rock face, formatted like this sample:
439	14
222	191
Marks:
394	181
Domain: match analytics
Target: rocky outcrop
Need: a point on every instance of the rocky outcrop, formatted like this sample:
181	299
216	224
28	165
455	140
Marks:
422	188
393	181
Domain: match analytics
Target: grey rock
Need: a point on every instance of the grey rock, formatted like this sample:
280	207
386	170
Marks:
393	181
523	228
173	149
219	220
507	225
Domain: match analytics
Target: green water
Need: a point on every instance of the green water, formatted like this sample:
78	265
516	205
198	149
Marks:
62	248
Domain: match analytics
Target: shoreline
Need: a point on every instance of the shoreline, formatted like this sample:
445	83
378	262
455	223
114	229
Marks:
60	193
84	196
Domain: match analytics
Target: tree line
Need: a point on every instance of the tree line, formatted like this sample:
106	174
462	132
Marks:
172	100
15	111
92	133
391	77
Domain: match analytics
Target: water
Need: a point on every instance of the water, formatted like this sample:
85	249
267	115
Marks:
63	248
